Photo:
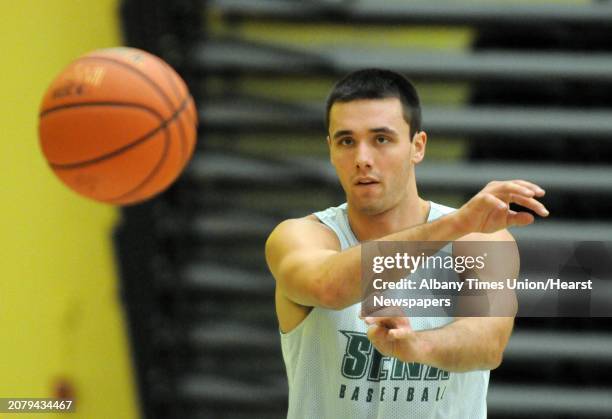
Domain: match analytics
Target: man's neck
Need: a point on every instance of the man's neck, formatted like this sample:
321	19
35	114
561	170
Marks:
405	215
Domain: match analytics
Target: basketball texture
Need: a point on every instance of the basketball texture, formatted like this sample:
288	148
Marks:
118	125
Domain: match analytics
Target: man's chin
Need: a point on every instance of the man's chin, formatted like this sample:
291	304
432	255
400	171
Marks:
369	208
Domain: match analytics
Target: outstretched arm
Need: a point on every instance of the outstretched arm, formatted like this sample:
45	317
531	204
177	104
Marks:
305	259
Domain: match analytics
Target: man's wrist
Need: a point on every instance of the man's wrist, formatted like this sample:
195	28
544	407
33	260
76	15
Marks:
419	349
459	224
423	349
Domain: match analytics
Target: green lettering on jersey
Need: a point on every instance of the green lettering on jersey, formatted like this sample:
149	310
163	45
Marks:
395	390
369	397
410	394
402	371
425	396
355	360
377	367
434	373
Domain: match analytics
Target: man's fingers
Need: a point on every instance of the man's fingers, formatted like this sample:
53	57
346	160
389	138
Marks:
518	186
397	334
499	215
390	322
530	203
520	219
489	210
538	191
494	201
377	333
510	187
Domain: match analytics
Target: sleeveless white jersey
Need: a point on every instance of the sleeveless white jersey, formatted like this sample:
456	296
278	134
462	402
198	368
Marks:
335	372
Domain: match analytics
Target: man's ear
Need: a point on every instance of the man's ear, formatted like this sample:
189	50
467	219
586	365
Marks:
419	143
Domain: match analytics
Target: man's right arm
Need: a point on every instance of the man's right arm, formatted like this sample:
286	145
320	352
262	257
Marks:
304	257
310	269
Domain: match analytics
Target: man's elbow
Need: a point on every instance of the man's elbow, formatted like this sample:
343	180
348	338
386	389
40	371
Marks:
496	354
328	289
498	338
332	297
496	359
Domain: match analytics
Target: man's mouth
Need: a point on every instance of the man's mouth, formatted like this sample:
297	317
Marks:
366	181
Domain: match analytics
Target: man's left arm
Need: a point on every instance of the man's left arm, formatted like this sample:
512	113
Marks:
468	343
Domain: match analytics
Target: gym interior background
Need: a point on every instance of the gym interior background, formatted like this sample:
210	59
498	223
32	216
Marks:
165	309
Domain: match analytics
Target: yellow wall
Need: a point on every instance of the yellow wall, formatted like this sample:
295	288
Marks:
60	314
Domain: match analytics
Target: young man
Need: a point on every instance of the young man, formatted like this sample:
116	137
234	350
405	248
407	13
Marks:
338	365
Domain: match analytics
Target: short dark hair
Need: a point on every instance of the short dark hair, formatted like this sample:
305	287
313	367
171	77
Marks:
374	83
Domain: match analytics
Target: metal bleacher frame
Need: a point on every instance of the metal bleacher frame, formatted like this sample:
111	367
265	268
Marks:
197	292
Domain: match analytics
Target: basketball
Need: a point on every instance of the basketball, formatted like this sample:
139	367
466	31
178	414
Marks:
118	125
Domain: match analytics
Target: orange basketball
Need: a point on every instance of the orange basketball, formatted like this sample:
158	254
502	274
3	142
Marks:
118	125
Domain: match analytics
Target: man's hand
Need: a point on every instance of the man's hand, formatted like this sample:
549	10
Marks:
393	336
467	344
488	211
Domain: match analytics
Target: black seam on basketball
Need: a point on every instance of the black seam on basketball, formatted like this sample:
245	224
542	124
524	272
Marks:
153	84
163	124
151	175
102	103
137	71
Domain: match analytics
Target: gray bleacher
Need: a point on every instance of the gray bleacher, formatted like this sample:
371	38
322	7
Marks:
221	348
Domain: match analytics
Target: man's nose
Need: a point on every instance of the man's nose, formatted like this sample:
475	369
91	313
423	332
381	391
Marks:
363	157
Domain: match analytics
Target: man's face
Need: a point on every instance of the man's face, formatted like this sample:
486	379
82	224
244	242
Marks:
369	143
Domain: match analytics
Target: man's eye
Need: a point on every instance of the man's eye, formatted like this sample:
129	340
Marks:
382	140
346	141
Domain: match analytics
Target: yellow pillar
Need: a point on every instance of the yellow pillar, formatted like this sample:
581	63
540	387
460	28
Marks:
59	304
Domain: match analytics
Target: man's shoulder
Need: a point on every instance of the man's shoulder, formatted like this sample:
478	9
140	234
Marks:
308	222
315	220
300	230
330	211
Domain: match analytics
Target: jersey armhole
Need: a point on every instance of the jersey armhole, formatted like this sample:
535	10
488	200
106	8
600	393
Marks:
299	326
